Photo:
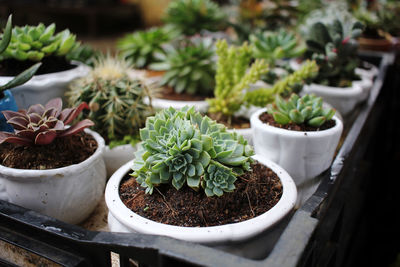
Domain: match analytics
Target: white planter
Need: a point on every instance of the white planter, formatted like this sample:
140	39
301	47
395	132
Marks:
343	99
160	103
41	88
304	155
69	194
117	156
122	219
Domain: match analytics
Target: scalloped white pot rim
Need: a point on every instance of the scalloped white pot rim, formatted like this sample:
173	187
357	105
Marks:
256	122
40	82
353	91
213	234
25	174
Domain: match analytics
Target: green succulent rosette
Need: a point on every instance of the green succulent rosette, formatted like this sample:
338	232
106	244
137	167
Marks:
183	147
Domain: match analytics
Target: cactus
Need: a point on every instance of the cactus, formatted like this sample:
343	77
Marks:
307	109
115	99
182	147
272	46
189	67
141	46
334	48
192	16
40	125
36	42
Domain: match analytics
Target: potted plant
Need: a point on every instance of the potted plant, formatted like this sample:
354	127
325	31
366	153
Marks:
32	44
233	100
190	17
115	106
334	47
190	172
299	135
141	47
7	101
189	74
49	167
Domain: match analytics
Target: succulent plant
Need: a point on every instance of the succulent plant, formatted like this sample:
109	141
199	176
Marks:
261	97
115	98
36	42
83	53
276	45
183	147
140	47
189	67
40	125
307	109
335	51
25	75
192	16
233	76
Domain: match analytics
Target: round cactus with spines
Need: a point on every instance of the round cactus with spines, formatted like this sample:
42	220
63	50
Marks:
36	42
307	109
182	147
115	98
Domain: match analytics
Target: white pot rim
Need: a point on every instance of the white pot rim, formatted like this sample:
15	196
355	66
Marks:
256	122
353	91
212	234
24	174
40	82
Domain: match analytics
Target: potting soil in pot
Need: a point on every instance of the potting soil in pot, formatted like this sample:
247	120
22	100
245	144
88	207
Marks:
269	119
256	192
61	152
236	123
13	67
170	94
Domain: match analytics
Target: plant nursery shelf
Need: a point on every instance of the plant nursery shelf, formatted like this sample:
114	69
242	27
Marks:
316	234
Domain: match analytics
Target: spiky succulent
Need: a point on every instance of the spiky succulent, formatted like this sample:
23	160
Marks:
140	47
307	109
189	67
276	45
334	48
183	147
115	98
40	125
192	16
36	42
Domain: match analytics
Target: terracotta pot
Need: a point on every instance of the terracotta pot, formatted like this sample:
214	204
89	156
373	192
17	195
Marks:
122	219
69	194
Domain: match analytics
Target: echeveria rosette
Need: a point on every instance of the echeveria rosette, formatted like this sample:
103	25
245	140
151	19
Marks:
40	125
307	109
178	146
218	179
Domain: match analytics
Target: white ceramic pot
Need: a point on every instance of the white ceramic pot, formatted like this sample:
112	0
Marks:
117	156
304	155
69	194
41	88
343	99
122	219
160	103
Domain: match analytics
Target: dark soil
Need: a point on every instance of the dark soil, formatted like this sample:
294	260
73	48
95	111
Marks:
256	192
169	93
62	152
235	123
268	119
13	67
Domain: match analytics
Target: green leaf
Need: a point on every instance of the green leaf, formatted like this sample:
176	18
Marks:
6	35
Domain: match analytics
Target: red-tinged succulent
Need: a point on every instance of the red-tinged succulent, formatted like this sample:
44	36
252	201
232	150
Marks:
40	125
